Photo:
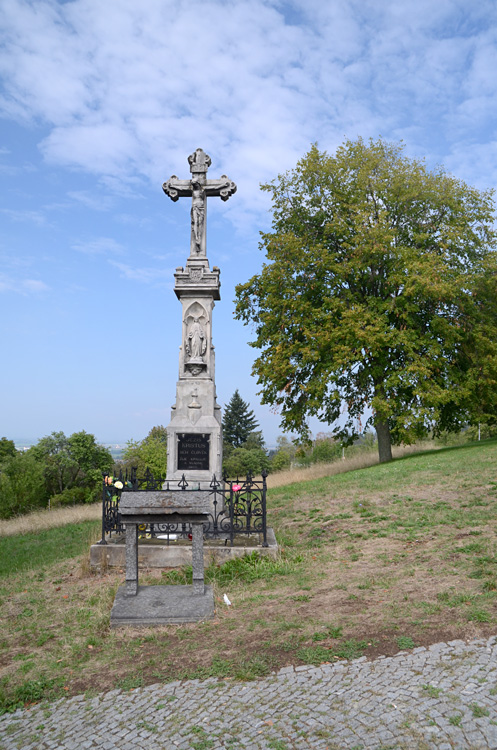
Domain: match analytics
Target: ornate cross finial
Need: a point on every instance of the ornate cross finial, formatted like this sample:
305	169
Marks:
199	188
199	162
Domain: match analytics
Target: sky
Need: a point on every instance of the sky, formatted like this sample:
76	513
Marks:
100	103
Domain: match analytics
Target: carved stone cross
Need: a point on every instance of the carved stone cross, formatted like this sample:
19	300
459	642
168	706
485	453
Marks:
199	188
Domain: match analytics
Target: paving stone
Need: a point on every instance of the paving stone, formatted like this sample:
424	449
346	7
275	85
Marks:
369	704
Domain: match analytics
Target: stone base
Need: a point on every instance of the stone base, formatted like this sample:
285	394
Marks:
159	555
161	605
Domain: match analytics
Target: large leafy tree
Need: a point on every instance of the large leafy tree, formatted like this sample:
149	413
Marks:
149	453
74	461
238	421
379	294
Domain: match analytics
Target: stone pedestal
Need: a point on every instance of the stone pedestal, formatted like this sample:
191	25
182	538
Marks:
194	436
160	605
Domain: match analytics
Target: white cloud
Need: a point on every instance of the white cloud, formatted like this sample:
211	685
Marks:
90	200
148	275
129	90
23	216
34	285
98	246
22	286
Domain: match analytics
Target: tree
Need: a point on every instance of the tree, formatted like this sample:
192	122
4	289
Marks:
282	457
7	448
242	461
75	461
238	421
149	453
22	485
378	293
325	449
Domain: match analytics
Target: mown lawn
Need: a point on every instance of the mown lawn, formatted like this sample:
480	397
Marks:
373	561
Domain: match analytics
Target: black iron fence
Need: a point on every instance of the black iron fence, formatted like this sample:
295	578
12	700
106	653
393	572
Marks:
238	507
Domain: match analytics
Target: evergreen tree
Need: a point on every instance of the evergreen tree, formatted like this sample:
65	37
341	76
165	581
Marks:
238	422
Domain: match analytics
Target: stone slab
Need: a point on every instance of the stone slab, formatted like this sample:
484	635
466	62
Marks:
161	605
164	502
112	554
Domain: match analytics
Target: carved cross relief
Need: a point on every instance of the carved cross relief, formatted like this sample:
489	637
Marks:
199	188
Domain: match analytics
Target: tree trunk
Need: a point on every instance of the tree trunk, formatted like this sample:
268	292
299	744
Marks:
384	442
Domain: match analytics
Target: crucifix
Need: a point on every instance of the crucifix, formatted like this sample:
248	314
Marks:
199	188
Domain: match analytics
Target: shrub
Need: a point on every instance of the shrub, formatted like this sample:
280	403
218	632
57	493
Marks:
22	485
72	496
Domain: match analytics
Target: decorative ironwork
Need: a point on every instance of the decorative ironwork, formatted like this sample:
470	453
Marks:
238	507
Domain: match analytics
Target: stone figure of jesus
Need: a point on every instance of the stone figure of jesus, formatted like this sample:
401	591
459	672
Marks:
198	214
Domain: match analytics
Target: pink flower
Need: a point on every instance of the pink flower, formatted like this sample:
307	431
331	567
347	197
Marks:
236	487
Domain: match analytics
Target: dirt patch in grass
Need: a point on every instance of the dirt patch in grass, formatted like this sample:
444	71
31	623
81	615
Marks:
368	566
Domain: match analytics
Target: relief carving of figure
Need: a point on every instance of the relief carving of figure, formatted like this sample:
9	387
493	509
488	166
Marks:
198	214
196	343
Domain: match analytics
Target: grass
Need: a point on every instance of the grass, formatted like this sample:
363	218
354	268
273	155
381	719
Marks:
38	550
372	561
50	519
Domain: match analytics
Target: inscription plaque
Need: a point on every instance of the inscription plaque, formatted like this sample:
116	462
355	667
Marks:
193	452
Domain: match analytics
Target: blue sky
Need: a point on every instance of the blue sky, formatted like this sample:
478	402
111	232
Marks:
101	102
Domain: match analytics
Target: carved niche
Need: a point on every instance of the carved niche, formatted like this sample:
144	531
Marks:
196	333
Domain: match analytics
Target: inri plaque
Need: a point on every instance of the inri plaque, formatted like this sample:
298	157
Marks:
193	452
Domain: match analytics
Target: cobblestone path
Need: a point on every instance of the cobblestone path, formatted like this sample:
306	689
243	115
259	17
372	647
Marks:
443	697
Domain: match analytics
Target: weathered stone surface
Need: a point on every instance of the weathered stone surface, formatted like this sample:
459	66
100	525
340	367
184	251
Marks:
194	438
162	605
131	559
198	558
164	502
158	554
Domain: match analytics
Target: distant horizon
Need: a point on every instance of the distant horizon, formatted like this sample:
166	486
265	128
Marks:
29	442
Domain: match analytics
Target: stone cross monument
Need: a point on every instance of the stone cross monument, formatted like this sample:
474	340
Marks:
194	437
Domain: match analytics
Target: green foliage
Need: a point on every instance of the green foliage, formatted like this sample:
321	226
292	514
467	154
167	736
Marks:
405	641
350	649
314	654
243	461
283	456
480	432
479	711
455	720
325	449
280	461
131	682
69	462
7	448
22	485
30	691
248	568
243	446
149	453
238	421
432	691
378	292
72	496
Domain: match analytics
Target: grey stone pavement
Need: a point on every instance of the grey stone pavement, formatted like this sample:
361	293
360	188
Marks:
443	697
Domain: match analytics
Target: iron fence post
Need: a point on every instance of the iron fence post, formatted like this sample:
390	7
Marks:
264	524
104	496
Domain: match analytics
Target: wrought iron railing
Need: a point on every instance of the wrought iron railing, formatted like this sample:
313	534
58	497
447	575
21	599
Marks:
238	507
